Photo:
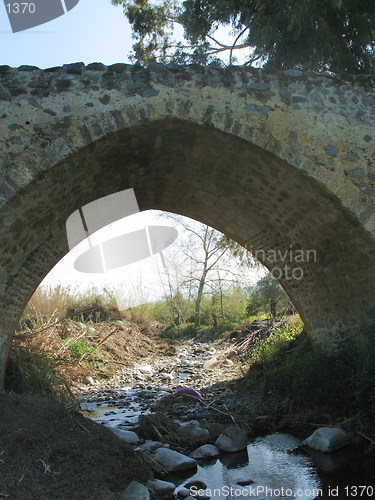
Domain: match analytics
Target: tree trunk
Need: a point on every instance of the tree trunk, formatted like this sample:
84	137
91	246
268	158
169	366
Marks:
198	302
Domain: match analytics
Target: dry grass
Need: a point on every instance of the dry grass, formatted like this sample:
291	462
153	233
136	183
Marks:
61	302
48	302
65	337
42	361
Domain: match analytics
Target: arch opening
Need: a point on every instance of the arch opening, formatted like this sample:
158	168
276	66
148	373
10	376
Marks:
245	192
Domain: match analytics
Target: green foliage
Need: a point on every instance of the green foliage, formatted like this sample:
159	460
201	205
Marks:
151	24
292	366
256	317
79	347
267	296
191	331
337	35
265	353
182	331
32	372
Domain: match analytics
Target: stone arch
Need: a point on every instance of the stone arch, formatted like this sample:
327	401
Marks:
228	183
214	154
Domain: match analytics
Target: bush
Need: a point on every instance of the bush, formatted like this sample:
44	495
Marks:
31	371
272	349
342	383
183	331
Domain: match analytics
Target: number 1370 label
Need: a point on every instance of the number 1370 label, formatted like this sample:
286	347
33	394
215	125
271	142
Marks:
25	15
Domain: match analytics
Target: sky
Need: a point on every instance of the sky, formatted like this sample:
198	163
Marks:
92	31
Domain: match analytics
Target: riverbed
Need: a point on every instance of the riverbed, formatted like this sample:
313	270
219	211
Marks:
271	466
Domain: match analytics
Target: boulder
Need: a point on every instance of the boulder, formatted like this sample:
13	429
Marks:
135	491
173	460
193	431
146	369
232	439
127	436
150	446
205	451
327	439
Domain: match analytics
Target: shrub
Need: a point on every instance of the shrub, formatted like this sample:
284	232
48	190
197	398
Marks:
31	371
183	331
342	382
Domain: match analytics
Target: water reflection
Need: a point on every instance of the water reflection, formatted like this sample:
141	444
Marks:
267	462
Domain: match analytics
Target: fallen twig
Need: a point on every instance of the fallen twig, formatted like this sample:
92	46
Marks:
47	468
366	437
81	425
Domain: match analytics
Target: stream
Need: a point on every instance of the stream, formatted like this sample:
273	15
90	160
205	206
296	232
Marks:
270	466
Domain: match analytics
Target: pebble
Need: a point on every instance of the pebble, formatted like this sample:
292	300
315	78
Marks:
196	483
245	482
89	381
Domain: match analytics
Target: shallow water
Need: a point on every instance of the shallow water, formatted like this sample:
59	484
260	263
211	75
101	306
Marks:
268	465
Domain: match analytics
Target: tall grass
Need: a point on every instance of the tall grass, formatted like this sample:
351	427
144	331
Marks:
53	344
64	301
50	301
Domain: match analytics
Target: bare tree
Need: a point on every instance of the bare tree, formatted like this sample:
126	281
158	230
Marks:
201	249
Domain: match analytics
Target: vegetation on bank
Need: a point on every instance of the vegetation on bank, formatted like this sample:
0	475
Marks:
58	339
62	338
296	375
59	335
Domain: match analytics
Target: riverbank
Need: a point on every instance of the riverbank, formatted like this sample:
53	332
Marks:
44	445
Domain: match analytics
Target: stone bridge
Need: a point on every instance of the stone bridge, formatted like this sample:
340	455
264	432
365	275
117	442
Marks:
277	161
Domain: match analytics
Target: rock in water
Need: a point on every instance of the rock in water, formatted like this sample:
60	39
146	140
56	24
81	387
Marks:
232	439
327	439
193	431
161	488
205	451
183	493
127	436
135	491
173	460
196	483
